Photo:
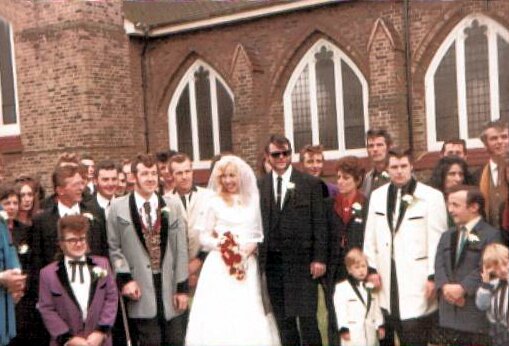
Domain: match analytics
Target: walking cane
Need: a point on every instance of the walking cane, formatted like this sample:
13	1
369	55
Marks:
124	320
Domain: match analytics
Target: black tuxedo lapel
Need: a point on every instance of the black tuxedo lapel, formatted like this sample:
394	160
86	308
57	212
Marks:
391	199
136	219
93	281
64	280
409	189
164	228
353	282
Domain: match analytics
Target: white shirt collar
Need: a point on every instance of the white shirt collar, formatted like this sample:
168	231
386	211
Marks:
103	201
63	210
154	202
471	224
286	175
285	179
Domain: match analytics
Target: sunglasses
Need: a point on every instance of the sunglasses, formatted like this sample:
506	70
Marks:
277	154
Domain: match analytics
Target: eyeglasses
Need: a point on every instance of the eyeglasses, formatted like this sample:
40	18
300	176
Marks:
74	241
277	154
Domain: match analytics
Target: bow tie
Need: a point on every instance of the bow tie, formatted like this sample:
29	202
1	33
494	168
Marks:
73	265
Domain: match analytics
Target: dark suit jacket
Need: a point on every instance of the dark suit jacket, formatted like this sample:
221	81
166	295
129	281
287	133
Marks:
467	273
60	309
303	236
45	242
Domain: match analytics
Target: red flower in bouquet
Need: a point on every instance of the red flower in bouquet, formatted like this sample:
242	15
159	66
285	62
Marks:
230	252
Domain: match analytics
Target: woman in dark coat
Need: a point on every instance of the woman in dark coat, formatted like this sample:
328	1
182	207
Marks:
346	220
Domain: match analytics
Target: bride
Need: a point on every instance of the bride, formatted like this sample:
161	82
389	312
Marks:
227	307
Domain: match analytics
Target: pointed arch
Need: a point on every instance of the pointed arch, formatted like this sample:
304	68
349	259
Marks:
326	102
466	84
200	114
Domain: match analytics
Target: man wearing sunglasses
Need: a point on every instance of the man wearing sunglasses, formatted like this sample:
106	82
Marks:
294	250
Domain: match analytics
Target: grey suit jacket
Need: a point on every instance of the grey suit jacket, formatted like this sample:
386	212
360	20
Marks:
467	273
131	260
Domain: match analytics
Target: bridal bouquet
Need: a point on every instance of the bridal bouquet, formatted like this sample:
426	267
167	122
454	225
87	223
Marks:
230	251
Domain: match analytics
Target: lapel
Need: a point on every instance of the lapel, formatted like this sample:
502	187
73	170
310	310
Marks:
409	189
64	281
93	282
192	201
454	245
269	201
164	228
391	196
353	283
468	244
136	220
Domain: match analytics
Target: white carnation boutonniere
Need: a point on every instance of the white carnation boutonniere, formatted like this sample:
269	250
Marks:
3	215
384	175
165	211
369	286
290	186
99	272
23	249
407	199
473	238
357	212
89	216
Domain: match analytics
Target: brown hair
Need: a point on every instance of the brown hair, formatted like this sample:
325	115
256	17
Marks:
68	159
278	141
72	223
400	153
311	150
62	173
351	165
105	165
7	190
355	256
474	196
374	133
34	184
146	160
498	124
178	158
456	141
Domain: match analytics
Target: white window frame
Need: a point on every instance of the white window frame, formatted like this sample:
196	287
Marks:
189	79
10	129
457	37
309	61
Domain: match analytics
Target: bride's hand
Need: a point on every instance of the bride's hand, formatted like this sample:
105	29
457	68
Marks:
248	249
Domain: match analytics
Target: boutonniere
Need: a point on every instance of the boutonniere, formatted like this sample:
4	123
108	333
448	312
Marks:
407	199
369	286
3	215
357	212
384	175
290	186
89	216
473	238
23	249
165	211
99	273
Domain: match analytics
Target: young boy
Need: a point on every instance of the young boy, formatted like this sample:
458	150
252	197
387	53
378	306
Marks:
360	320
77	295
493	294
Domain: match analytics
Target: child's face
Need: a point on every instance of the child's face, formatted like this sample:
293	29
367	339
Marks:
502	269
359	270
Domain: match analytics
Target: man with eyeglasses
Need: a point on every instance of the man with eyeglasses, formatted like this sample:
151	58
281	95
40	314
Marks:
294	251
77	294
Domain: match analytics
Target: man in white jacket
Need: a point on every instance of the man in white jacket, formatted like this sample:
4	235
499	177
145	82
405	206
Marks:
405	221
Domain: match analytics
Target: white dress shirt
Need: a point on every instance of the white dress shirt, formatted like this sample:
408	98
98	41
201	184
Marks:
81	290
494	172
64	210
284	183
104	203
154	202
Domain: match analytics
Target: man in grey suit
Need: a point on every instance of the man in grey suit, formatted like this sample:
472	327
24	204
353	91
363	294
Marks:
148	250
378	143
457	268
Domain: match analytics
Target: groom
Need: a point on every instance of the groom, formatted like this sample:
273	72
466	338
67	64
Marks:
295	248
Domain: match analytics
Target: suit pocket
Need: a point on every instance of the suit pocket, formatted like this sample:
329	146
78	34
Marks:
56	294
103	285
421	258
174	225
122	221
379	213
415	218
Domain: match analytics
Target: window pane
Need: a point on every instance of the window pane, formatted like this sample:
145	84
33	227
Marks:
326	100
503	73
204	114
446	97
301	111
6	76
477	78
353	108
185	138
225	113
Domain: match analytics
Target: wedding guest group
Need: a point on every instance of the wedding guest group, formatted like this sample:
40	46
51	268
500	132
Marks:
134	251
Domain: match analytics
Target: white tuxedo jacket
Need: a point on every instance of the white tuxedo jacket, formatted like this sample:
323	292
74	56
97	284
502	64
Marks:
415	245
197	206
352	313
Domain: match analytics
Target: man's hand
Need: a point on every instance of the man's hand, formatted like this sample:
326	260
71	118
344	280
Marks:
430	290
96	338
454	294
317	269
180	301
77	341
375	280
248	249
13	280
381	333
194	266
131	290
345	336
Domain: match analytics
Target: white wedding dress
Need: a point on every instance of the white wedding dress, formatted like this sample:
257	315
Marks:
226	311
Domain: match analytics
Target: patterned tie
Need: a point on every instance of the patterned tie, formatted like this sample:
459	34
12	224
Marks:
461	242
146	207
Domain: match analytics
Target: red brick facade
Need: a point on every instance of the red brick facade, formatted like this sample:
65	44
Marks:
80	84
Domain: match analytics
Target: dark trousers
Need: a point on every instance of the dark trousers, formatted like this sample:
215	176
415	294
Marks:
411	332
294	330
157	331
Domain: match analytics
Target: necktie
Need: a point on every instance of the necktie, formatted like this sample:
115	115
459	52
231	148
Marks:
184	202
461	242
146	207
278	192
73	264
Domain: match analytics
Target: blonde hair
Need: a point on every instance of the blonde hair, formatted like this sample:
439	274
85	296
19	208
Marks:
495	254
227	197
355	256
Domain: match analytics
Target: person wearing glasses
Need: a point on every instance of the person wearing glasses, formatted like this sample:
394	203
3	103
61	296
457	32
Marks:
77	294
294	251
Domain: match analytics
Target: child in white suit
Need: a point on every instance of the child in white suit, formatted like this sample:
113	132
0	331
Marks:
360	320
